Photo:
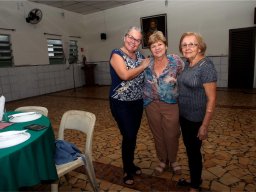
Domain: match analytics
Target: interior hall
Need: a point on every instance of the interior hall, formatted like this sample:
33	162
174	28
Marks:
59	59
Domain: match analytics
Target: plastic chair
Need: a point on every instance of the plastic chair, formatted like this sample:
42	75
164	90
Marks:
39	109
82	121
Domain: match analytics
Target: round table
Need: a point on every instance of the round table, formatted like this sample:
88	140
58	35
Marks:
30	162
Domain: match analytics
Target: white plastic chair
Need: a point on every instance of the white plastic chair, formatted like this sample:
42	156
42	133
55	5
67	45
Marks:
82	121
39	109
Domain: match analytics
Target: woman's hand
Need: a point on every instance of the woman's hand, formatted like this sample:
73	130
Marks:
123	72
145	63
203	132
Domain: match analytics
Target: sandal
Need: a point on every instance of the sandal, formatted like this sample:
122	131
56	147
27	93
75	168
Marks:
128	179
176	168
137	170
159	169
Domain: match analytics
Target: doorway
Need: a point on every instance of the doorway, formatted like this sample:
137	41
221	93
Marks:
241	58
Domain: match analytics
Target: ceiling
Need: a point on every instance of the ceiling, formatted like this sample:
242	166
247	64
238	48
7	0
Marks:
86	6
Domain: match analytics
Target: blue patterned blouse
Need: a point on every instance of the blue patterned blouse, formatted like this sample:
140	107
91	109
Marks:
130	90
163	88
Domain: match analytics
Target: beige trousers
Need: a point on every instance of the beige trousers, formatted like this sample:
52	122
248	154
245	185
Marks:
163	120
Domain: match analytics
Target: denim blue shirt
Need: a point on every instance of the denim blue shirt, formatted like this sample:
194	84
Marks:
163	88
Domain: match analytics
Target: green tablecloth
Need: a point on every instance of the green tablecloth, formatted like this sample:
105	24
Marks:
30	162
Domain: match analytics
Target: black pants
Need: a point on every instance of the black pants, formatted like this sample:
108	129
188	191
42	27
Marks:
128	116
193	147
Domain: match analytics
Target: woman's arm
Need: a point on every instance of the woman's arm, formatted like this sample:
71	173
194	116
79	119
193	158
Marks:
210	90
119	66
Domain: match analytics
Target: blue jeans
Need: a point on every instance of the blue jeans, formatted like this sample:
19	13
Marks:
128	116
193	145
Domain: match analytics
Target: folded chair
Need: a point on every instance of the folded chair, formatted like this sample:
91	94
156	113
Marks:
82	121
39	109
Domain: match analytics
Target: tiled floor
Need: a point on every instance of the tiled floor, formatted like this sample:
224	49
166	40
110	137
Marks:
229	153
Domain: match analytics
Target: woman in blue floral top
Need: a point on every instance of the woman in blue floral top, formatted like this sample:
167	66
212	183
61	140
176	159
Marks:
160	101
126	102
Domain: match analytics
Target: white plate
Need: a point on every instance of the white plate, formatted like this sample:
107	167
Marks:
7	134
25	118
13	140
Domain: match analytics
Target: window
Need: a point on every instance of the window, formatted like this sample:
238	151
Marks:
55	51
73	51
6	58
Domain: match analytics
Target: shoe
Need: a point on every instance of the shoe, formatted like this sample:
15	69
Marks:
159	169
128	179
182	182
193	188
176	168
137	170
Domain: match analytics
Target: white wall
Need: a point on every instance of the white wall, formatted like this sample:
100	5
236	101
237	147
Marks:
28	81
31	74
212	19
29	42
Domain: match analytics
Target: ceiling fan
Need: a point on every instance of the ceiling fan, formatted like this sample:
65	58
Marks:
34	16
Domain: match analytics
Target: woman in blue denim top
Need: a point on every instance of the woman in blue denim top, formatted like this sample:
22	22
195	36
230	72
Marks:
160	102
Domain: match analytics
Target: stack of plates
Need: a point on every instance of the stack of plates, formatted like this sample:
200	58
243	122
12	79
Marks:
12	138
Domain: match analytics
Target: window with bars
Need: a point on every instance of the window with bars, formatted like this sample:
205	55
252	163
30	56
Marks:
6	58
55	51
73	51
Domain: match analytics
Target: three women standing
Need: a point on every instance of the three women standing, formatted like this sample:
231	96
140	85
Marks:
197	97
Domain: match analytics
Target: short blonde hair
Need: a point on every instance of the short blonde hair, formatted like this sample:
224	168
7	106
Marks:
201	44
155	37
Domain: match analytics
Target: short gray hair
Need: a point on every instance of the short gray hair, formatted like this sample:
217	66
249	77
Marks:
134	28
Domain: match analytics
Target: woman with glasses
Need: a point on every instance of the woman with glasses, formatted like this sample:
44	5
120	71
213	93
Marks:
197	97
160	102
126	103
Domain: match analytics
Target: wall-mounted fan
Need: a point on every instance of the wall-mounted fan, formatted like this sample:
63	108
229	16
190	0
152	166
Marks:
34	16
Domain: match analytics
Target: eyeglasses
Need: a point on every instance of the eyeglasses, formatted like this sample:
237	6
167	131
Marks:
138	41
190	45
